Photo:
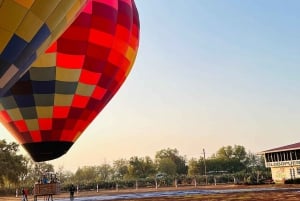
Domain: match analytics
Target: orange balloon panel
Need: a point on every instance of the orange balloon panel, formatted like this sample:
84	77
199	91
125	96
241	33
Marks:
65	89
27	28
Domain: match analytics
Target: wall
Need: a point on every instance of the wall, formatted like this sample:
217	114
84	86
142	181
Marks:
280	174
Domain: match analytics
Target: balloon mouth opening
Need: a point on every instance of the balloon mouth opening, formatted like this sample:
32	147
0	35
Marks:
44	151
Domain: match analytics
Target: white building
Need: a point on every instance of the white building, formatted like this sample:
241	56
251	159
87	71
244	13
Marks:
284	162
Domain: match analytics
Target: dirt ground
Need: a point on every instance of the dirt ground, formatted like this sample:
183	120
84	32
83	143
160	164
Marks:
283	192
270	196
260	196
290	193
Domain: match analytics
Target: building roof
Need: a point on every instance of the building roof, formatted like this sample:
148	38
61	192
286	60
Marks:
284	148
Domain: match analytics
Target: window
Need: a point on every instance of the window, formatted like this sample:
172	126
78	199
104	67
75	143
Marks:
298	170
293	155
298	154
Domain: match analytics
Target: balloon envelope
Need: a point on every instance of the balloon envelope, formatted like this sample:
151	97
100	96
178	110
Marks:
27	28
65	89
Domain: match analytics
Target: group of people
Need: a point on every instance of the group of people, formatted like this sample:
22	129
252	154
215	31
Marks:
47	178
72	190
50	178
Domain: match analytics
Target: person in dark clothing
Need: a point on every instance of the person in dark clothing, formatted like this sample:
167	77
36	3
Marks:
72	190
24	194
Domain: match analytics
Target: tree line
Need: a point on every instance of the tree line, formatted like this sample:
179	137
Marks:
230	164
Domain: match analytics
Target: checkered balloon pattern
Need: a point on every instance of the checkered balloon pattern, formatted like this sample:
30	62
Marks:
68	85
27	28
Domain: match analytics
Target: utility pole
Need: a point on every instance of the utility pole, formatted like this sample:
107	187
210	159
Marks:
204	166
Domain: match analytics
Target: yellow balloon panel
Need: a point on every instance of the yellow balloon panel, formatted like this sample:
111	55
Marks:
11	15
32	124
85	89
67	75
5	36
26	3
43	9
64	12
27	28
44	111
63	100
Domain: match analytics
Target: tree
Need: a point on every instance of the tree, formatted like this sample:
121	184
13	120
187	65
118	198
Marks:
229	152
141	167
12	165
172	154
228	158
256	168
43	167
194	167
86	174
105	172
231	159
35	171
120	168
167	166
225	153
239	153
64	176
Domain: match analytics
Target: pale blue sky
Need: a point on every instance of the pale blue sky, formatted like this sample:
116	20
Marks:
209	73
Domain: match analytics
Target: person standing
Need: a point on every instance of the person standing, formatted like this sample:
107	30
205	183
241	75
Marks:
24	195
72	190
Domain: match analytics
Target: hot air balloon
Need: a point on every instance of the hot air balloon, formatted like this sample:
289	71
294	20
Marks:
65	89
27	28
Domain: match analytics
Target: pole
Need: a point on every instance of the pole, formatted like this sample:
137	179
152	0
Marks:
204	166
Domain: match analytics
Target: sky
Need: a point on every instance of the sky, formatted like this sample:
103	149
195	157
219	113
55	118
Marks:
208	74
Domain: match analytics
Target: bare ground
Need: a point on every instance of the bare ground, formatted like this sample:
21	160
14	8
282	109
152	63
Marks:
282	192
